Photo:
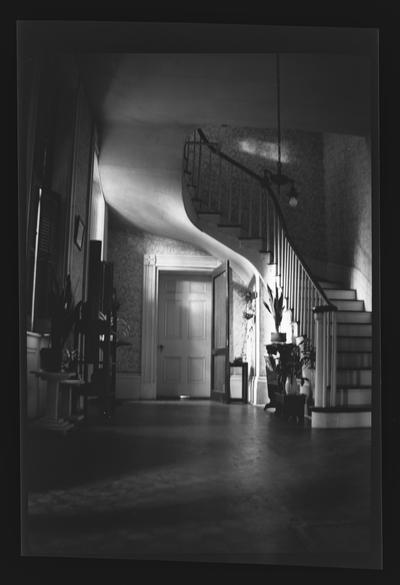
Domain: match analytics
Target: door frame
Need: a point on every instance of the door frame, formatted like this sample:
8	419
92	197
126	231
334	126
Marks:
153	264
225	351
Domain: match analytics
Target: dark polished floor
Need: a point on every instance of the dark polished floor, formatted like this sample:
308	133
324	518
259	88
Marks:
195	480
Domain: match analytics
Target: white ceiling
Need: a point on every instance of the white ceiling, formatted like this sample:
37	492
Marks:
319	92
147	101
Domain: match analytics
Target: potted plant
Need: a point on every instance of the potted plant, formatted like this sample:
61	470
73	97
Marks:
62	314
285	360
275	307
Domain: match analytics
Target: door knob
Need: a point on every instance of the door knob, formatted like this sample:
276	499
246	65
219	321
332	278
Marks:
160	347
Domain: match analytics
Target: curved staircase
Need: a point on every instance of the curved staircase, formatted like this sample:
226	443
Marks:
238	207
354	361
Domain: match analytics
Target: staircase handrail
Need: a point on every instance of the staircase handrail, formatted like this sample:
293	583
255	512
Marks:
265	183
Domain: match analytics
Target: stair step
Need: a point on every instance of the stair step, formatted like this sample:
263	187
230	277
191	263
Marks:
255	243
210	216
341	417
354	317
234	230
354	359
341	408
354	396
354	329
353	377
341	293
348	305
354	343
326	284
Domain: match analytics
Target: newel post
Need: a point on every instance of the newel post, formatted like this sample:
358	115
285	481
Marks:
325	366
319	357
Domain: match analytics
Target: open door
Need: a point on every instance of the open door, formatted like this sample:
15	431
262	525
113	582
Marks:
220	369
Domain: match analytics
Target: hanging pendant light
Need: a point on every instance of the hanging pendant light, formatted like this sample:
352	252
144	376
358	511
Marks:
293	196
280	179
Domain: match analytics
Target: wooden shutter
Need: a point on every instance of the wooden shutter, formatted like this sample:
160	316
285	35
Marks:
47	254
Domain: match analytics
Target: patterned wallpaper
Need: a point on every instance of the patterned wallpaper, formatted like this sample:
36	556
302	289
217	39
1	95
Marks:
332	173
348	193
302	160
126	248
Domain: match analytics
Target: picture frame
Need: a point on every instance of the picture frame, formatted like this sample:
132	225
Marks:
79	232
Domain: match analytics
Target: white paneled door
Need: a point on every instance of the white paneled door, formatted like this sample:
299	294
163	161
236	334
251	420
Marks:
184	336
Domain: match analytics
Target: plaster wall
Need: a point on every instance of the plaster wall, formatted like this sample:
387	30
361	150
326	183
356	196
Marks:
347	187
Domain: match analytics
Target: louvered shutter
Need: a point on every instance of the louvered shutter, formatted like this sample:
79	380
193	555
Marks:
47	250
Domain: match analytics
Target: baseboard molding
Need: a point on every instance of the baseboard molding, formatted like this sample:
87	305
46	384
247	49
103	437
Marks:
128	386
341	420
261	391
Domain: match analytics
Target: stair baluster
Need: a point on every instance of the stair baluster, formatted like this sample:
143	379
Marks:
194	157
209	179
219	206
333	357
198	193
282	256
237	192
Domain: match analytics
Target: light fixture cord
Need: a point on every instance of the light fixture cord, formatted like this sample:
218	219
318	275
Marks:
278	94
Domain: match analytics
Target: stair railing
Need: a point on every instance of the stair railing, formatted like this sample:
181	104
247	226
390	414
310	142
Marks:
243	198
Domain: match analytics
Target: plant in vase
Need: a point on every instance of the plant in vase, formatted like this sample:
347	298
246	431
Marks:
276	308
70	361
284	360
63	313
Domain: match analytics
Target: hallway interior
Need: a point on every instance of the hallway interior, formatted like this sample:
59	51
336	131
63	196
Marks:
201	481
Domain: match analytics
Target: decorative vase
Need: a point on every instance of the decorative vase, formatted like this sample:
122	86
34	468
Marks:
291	386
309	374
277	337
305	387
50	359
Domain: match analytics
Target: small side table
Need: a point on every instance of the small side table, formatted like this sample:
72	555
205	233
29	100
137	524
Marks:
57	404
244	381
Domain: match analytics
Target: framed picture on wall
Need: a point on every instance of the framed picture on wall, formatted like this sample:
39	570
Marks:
79	231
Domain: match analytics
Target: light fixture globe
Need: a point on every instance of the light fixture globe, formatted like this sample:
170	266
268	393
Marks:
279	179
293	198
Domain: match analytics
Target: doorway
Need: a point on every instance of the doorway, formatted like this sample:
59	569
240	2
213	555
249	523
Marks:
184	335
